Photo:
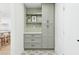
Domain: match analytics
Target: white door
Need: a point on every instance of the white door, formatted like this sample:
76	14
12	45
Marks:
48	25
71	28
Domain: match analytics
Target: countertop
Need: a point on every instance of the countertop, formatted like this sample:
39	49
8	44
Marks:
32	32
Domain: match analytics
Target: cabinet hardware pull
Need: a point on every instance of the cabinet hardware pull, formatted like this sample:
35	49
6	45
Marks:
32	39
32	45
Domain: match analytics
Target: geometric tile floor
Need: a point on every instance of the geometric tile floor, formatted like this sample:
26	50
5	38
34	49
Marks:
39	52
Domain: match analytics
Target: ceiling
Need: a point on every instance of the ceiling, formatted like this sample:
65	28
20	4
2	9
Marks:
33	5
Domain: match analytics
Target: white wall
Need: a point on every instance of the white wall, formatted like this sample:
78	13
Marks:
4	9
4	17
59	29
17	21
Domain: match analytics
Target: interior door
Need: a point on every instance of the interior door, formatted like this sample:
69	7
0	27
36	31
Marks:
71	28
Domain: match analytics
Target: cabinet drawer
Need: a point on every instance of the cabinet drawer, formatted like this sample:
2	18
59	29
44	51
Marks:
27	35
36	35
27	45
32	35
32	45
35	45
27	39
32	39
36	39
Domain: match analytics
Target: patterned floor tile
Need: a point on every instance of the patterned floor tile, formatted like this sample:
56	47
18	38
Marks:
39	52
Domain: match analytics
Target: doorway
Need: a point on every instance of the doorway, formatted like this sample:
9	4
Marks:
4	34
39	28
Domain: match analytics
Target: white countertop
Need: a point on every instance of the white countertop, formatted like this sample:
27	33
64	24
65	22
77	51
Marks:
32	32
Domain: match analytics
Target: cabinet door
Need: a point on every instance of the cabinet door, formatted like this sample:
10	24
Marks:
27	45
48	25
51	36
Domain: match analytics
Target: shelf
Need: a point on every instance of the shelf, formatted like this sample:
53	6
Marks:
33	14
33	23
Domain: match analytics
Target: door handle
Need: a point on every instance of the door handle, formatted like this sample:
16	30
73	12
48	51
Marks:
77	40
